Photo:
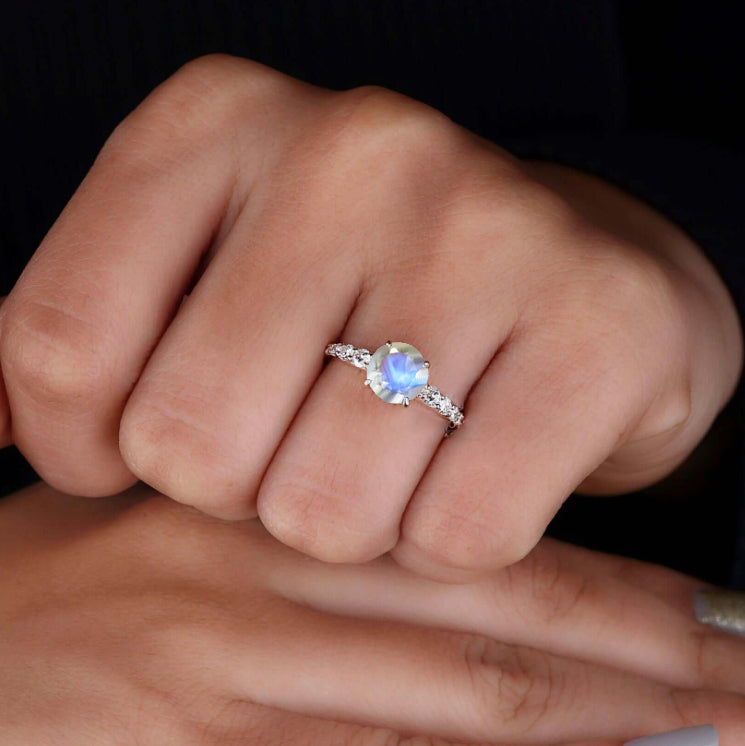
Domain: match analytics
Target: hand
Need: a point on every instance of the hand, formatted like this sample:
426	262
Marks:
591	342
136	620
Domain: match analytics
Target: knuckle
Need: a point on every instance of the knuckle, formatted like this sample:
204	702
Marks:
315	512
167	444
704	667
617	292
372	105
643	281
553	593
143	434
191	112
515	685
513	546
597	270
515	199
549	216
690	707
605	299
491	200
627	280
451	538
225	81
57	358
375	121
714	660
214	69
290	513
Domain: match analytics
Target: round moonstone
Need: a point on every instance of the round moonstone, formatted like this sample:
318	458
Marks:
397	372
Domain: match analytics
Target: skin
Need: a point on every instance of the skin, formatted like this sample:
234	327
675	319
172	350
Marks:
138	620
590	340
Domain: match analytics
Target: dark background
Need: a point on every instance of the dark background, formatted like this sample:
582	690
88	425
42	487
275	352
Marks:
646	94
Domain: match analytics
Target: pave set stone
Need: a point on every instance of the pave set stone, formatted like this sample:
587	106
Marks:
432	397
398	373
358	356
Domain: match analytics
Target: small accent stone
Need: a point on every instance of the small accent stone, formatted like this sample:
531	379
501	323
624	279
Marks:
361	358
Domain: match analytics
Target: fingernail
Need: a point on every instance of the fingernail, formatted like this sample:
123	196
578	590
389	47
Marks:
724	610
701	735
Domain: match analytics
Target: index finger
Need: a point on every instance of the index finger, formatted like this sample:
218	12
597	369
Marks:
107	279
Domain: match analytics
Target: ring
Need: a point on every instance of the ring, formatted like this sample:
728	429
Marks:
398	373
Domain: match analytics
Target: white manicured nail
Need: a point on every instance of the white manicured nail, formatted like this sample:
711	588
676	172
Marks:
701	735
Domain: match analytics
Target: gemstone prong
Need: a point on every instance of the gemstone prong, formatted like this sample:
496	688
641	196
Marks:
367	382
406	401
389	343
426	363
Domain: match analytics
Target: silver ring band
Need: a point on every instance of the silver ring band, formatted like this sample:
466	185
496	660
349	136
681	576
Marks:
425	393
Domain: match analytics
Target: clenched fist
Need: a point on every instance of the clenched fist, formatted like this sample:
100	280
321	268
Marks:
172	325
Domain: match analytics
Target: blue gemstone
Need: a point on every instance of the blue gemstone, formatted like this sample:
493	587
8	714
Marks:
399	373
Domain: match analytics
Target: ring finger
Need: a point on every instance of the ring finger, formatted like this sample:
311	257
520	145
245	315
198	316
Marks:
340	481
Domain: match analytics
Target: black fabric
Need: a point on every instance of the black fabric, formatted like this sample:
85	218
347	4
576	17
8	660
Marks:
644	94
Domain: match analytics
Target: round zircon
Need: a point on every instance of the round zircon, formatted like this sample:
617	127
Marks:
396	371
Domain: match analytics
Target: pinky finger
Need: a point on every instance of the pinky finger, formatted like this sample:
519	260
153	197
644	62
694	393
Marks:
253	723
